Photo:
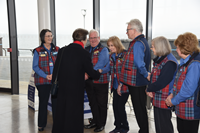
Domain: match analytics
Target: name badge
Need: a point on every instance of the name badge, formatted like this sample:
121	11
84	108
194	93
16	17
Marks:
115	75
55	53
50	63
42	54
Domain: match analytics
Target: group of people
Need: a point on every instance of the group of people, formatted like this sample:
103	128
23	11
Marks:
172	86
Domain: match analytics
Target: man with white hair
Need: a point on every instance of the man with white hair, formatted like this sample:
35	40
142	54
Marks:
97	90
134	72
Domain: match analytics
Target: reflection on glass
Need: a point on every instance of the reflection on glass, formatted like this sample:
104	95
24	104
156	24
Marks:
4	44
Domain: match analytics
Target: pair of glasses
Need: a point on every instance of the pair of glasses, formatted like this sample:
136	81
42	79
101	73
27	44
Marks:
129	29
49	36
93	38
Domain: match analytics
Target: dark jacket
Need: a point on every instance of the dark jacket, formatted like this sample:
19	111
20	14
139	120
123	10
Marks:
75	62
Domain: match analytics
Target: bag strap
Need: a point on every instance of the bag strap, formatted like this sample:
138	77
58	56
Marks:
59	64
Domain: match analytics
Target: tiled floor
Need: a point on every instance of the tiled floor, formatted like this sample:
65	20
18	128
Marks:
16	117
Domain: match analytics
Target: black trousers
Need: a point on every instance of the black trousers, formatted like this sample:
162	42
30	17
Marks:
98	100
138	98
43	93
162	118
119	110
187	126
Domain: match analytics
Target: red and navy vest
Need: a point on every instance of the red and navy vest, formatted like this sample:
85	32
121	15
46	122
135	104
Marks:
160	96
116	66
129	73
44	63
188	108
104	78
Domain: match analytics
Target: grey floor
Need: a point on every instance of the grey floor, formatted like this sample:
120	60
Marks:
16	117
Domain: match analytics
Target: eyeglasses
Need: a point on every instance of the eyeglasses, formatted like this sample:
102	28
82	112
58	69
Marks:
129	29
93	38
49	36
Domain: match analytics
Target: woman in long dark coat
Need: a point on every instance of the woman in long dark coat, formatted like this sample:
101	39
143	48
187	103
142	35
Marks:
75	62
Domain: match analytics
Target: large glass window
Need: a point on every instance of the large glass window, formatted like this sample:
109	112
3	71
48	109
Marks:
28	39
5	81
174	17
70	16
114	14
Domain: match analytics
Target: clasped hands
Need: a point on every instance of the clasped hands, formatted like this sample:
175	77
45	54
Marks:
167	101
49	77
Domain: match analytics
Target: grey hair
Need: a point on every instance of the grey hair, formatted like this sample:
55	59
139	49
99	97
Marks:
93	30
162	46
136	24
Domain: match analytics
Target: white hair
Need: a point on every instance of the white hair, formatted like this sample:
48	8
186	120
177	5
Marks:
136	24
93	30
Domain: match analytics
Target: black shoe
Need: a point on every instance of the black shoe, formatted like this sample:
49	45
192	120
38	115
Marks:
91	125
40	128
99	129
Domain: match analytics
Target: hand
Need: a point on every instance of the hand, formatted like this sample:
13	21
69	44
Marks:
86	76
168	100
119	89
149	76
100	70
150	94
49	77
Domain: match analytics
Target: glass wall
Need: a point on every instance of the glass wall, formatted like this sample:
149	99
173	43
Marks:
114	14
69	16
5	74
174	17
28	39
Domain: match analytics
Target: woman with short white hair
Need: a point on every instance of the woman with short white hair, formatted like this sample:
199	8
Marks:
161	83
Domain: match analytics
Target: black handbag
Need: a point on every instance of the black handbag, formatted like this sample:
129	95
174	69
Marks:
55	85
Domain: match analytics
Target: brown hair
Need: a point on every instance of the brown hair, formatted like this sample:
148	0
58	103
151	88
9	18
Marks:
79	34
187	43
117	43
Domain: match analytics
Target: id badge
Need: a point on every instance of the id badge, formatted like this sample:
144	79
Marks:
115	75
50	64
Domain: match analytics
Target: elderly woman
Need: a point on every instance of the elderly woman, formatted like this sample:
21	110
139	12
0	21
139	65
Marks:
121	93
75	62
43	62
162	77
186	84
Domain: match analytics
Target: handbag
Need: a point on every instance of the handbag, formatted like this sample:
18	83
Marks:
55	85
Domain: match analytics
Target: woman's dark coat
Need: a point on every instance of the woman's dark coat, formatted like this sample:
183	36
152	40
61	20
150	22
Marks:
75	62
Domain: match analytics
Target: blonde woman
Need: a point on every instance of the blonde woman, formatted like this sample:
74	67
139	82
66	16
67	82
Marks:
121	93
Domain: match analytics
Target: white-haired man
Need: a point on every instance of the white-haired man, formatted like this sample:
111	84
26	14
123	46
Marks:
135	73
97	90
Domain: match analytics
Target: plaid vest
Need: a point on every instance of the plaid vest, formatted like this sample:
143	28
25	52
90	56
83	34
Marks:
44	63
188	108
160	96
129	74
104	78
117	65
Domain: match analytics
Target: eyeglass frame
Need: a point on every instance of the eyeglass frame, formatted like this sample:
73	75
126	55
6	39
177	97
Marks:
50	36
90	38
129	29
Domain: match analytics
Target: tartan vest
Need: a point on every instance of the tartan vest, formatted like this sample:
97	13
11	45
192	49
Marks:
117	65
44	63
160	96
129	73
187	109
104	78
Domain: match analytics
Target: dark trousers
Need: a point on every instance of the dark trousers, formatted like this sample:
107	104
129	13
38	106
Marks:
138	98
98	100
43	93
187	126
163	123
119	110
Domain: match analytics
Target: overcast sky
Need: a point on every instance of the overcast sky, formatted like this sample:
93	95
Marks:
170	17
